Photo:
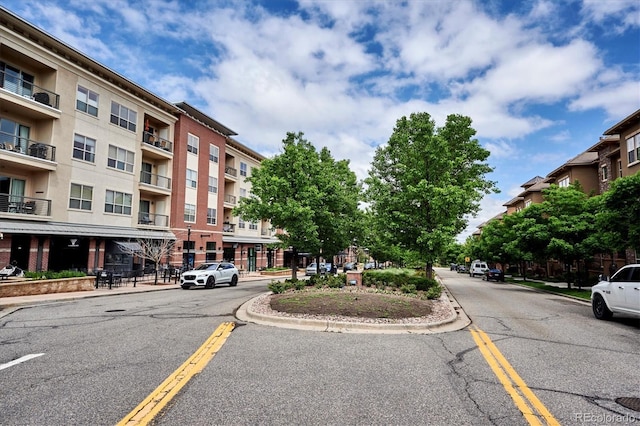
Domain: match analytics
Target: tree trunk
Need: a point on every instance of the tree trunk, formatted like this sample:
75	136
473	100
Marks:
294	265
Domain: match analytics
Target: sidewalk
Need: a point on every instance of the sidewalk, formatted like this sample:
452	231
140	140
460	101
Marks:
125	288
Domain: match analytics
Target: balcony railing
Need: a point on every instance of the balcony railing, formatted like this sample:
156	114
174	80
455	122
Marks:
228	227
231	171
26	146
19	204
29	90
155	180
153	219
230	199
157	141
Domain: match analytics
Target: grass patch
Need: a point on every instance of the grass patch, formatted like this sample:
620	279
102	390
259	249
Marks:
581	294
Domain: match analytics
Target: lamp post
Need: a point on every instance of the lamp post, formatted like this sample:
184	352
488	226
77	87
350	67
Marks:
188	246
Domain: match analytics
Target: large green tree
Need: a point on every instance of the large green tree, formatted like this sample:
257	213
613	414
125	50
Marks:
425	180
619	216
306	193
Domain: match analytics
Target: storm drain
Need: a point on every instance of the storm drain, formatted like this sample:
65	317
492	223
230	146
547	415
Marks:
115	310
630	403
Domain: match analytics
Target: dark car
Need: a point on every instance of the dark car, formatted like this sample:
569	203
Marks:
493	274
461	269
349	266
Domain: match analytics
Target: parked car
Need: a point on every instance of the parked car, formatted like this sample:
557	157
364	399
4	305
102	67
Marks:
461	269
11	271
493	274
453	266
369	265
349	266
619	294
209	275
312	269
477	268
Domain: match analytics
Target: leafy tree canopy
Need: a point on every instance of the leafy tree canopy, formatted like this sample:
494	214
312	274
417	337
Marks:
425	180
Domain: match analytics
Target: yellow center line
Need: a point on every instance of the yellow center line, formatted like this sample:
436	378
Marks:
532	409
160	397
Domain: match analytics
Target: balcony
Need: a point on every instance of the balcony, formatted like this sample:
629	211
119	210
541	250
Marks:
26	89
230	199
19	205
228	227
26	153
160	184
153	143
152	219
231	172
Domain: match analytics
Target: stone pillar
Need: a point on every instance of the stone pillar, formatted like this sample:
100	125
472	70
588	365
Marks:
354	278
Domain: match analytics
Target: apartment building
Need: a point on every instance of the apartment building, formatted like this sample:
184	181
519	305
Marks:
86	157
210	170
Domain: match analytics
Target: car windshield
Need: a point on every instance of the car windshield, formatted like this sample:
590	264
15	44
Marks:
207	266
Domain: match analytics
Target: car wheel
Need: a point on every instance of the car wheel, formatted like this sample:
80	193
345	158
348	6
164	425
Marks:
234	281
211	283
600	309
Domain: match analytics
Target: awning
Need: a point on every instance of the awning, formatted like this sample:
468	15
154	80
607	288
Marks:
80	230
249	240
129	246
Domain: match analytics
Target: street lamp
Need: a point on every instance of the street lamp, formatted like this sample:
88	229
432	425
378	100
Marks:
188	246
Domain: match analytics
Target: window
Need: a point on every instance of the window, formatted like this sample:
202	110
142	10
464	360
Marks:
192	178
240	223
605	172
253	226
118	202
189	212
81	197
84	148
15	80
214	153
123	116
213	184
192	143
243	193
120	159
527	203
87	101
14	136
564	182
211	216
243	169
633	148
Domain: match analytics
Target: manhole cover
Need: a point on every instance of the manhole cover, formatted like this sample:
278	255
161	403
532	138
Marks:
115	310
631	403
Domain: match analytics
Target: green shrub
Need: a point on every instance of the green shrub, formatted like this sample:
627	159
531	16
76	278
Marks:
408	288
434	292
278	287
53	275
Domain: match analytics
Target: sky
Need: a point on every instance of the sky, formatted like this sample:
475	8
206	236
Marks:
541	79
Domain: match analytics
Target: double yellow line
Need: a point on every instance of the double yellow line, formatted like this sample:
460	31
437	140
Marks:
529	405
160	397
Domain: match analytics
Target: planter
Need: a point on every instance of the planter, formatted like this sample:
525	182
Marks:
35	287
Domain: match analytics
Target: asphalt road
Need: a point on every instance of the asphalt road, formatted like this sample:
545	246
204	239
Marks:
103	356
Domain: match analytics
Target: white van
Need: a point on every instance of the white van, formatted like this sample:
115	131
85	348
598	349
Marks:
478	267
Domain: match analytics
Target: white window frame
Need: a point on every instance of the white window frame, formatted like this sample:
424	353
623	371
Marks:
192	143
121	159
240	223
85	147
633	149
83	200
564	182
213	184
87	101
253	226
243	169
192	178
214	153
117	202
605	172
189	212
212	216
123	116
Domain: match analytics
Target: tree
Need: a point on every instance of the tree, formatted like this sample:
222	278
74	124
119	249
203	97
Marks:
154	250
425	180
308	194
620	214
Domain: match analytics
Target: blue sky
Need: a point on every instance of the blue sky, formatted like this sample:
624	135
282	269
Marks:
542	80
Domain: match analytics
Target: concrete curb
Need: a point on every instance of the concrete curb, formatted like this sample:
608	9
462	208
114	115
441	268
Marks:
456	321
